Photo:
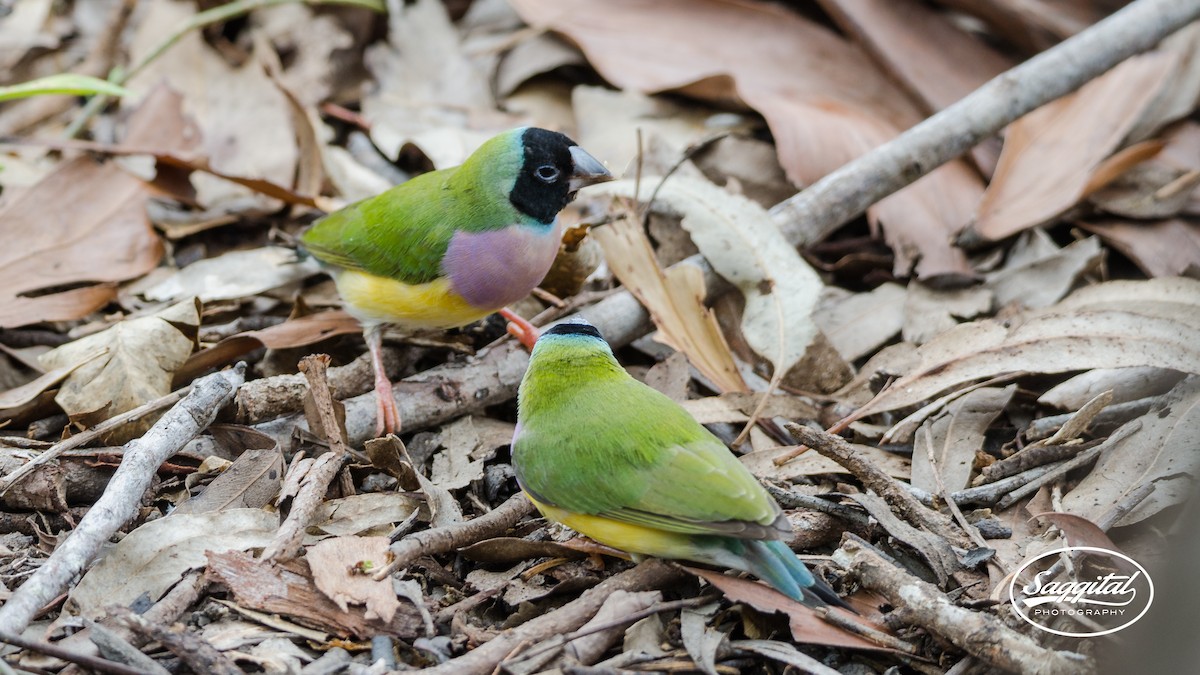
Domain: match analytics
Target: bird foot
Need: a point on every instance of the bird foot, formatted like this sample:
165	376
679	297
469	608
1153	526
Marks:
519	328
387	415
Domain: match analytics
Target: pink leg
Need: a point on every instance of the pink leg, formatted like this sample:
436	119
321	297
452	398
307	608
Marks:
387	417
520	328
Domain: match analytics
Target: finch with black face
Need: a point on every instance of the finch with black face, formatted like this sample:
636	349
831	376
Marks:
449	247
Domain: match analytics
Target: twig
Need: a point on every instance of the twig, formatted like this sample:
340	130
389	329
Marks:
450	537
652	574
795	500
874	479
1082	459
1029	457
945	494
198	654
121	498
616	623
845	193
85	437
287	541
993	492
102	665
982	635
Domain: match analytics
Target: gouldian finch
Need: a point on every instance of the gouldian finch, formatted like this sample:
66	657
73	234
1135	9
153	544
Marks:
449	247
615	460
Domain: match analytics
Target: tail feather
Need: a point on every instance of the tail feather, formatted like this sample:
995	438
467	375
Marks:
773	562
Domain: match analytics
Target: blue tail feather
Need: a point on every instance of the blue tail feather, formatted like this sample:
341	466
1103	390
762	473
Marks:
775	563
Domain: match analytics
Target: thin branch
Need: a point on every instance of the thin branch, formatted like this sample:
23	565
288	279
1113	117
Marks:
842	195
86	660
119	503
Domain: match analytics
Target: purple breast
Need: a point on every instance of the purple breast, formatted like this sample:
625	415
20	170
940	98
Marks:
491	270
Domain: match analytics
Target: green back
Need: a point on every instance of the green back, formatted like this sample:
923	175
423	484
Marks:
404	232
594	440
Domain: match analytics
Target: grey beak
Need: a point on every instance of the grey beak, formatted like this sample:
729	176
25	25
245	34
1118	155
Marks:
588	170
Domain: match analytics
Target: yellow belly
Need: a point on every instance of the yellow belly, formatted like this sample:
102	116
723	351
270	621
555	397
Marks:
625	536
373	299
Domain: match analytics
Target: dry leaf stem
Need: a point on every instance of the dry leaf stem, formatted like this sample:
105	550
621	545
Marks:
120	501
844	194
450	537
320	473
982	635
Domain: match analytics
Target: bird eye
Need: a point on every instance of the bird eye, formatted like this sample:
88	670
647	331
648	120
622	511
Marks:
547	172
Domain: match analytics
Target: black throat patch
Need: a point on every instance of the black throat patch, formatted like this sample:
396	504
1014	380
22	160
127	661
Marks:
534	196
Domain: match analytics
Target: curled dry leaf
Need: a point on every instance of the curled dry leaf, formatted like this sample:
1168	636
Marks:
674	298
244	123
17	398
1044	281
142	357
153	557
1051	154
1125	384
467	444
362	513
85	222
252	481
1165	248
1115	324
1162	453
740	241
822	98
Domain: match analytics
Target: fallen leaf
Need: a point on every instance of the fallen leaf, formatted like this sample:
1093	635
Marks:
467	444
863	322
288	589
234	275
1125	384
244	123
1078	531
1050	154
617	606
342	569
786	654
150	559
510	550
24	28
674	298
699	639
18	397
85	222
362	513
956	436
1044	281
1091	328
426	88
252	481
823	100
1161	453
1160	249
300	332
806	626
929	312
738	406
142	356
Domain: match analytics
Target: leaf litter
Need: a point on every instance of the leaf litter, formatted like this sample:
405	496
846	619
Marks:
1025	392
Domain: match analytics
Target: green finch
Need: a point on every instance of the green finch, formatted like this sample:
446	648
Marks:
615	460
449	247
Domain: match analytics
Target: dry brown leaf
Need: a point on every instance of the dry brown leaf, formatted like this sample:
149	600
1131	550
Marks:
427	90
674	298
811	463
822	98
806	626
467	444
1161	453
1165	248
956	436
342	569
935	59
1125	384
1094	327
142	357
1051	154
244	123
300	332
85	222
362	513
252	481
19	397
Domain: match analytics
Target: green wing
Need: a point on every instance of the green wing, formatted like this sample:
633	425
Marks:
629	453
400	234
